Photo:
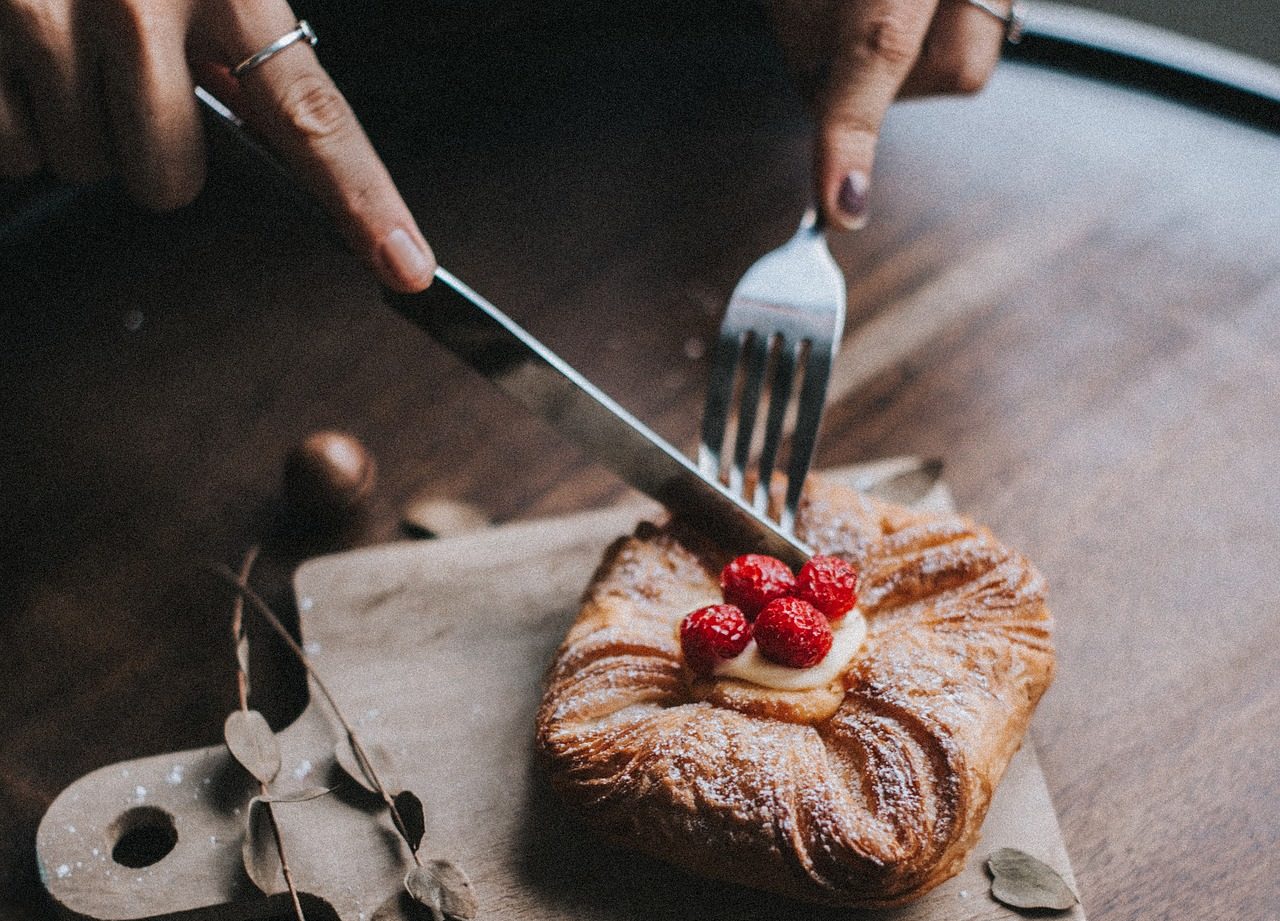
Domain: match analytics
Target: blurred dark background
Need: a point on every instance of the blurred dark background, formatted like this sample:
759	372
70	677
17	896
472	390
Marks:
1248	26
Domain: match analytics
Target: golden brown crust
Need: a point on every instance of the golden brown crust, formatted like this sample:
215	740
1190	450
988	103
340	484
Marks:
865	795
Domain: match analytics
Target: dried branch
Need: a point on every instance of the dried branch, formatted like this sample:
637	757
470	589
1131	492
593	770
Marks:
241	646
259	604
240	642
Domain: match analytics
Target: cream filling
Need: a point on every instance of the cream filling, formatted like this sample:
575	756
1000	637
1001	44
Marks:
848	635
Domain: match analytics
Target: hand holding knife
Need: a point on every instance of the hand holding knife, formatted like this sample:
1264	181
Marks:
495	346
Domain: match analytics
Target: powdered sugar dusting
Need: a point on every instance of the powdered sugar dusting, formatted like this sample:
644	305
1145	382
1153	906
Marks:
875	802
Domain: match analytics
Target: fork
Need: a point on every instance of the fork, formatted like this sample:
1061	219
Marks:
784	320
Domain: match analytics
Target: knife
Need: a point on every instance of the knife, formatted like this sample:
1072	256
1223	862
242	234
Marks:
529	372
496	347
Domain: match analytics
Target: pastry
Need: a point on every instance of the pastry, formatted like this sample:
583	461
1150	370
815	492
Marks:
865	787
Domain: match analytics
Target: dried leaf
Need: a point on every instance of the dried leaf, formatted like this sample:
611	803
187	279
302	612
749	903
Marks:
259	851
242	655
412	818
443	889
351	765
252	744
297	796
1020	881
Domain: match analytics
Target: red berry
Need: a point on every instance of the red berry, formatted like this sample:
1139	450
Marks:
753	580
712	634
829	584
793	632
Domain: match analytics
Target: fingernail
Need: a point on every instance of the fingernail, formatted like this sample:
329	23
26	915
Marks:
405	258
853	199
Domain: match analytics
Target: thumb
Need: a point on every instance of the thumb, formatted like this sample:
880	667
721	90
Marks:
877	44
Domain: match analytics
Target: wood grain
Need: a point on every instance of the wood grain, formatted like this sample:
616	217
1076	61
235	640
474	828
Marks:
1103	395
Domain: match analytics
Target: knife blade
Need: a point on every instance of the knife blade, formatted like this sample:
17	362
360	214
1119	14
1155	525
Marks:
496	347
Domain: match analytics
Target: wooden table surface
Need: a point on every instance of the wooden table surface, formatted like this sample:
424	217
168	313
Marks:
1070	293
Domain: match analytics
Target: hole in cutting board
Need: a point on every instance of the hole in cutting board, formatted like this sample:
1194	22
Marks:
143	836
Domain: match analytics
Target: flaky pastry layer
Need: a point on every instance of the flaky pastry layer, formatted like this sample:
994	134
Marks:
867	793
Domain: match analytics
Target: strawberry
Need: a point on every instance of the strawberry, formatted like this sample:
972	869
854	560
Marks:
753	580
713	634
829	584
793	632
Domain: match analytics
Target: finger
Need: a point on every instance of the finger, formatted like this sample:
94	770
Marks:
154	124
59	75
877	44
18	153
960	51
293	103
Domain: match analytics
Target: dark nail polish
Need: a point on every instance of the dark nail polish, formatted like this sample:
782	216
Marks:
853	199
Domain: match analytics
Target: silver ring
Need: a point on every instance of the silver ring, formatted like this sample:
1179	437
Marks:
1013	20
302	33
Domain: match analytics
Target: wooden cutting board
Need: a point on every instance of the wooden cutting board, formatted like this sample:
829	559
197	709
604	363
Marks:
436	651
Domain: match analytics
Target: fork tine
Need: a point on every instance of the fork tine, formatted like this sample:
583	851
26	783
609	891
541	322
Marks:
719	394
756	354
784	372
792	298
812	394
